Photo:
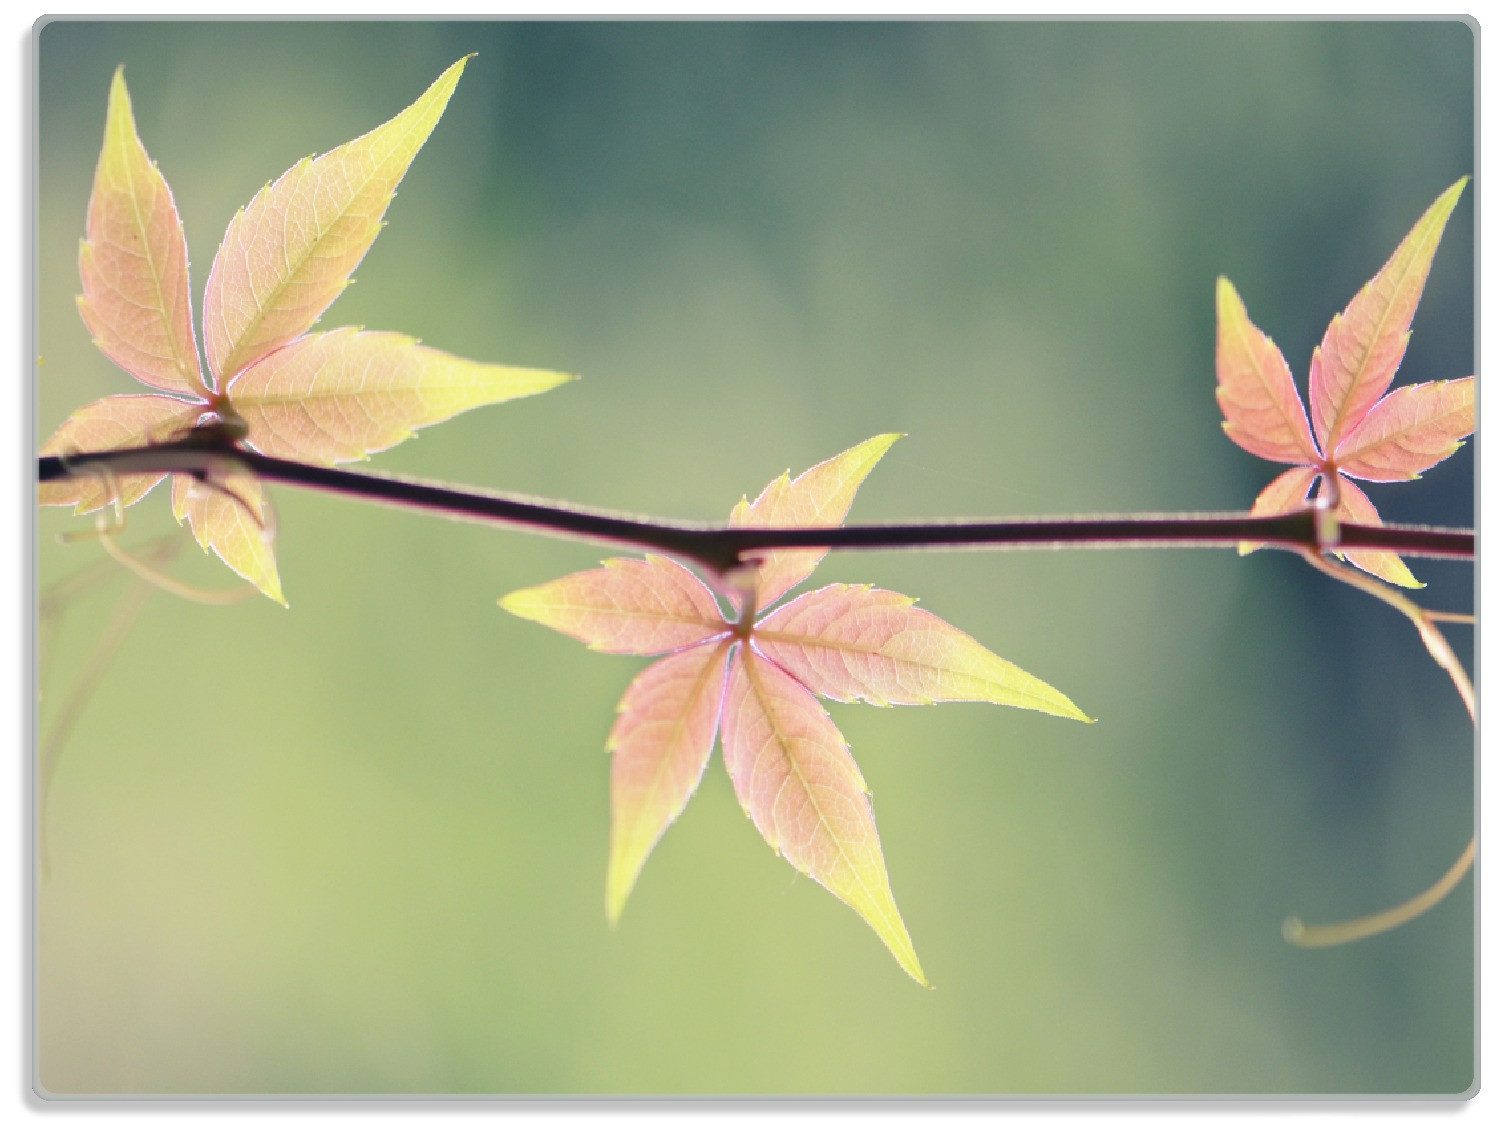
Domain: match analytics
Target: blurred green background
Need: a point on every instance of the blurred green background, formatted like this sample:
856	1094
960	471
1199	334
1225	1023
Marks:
358	846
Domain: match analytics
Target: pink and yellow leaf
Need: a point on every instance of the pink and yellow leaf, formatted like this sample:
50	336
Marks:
661	741
134	262
820	496
793	774
628	606
289	254
231	516
1363	346
858	643
1262	412
1355	507
1409	430
119	421
1287	492
345	394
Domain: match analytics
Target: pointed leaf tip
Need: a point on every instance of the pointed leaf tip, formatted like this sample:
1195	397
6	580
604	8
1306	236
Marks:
1262	411
792	772
336	396
1360	352
820	496
133	261
287	256
661	739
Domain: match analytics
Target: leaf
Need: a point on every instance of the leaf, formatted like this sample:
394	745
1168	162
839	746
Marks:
1355	507
1362	348
1287	492
231	516
342	395
134	262
1262	412
795	778
118	421
855	642
288	254
820	496
789	764
628	606
1409	430
325	398
1395	437
661	741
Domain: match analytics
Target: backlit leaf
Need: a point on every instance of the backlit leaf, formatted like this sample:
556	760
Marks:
231	516
325	399
1287	492
661	741
119	421
1355	507
788	762
342	395
134	262
1262	412
1409	430
794	776
854	642
820	496
1363	346
1364	435
628	606
288	254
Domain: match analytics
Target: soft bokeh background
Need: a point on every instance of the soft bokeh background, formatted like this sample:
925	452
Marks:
359	845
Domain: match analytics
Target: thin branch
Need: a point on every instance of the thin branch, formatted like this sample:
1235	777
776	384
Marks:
722	549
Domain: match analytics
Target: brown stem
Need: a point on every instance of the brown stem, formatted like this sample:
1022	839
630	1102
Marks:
722	549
